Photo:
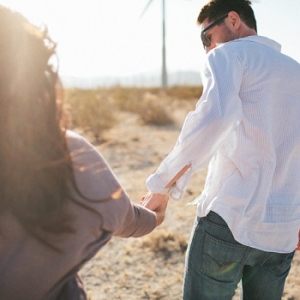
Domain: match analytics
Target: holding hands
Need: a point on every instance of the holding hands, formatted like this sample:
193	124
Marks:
157	203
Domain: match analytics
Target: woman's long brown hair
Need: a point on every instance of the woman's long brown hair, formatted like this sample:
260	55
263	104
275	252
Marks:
35	165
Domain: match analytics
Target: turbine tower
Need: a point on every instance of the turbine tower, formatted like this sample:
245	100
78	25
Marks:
164	76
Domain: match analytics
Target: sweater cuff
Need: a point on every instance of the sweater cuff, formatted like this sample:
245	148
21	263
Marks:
148	219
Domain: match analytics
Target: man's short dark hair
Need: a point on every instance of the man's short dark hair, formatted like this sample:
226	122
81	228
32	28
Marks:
215	9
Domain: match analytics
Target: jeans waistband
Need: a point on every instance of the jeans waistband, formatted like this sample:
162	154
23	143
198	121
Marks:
215	218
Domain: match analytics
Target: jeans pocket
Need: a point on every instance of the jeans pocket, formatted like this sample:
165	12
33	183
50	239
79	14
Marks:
279	263
221	260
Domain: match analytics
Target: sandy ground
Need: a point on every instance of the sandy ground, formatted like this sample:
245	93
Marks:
150	267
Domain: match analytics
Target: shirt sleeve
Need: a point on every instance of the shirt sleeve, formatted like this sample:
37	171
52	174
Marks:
217	113
101	192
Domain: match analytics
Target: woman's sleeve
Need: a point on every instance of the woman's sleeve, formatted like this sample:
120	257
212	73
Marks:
102	192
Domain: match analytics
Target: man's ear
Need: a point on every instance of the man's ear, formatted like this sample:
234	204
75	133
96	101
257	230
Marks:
234	20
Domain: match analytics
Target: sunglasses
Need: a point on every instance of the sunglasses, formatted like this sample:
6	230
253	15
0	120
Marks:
204	38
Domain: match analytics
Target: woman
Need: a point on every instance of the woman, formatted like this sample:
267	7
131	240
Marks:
59	200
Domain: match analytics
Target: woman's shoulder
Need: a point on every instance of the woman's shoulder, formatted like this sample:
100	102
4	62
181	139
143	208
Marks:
74	139
90	168
81	150
79	145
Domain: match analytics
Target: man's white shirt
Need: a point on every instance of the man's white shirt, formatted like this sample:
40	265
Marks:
246	127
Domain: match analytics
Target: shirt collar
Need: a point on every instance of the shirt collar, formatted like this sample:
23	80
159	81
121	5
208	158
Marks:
263	40
258	39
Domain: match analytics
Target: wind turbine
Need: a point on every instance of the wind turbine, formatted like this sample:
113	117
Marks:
164	77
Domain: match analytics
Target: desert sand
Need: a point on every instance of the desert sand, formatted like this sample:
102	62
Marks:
150	267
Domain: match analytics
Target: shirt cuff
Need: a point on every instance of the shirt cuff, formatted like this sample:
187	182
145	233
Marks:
156	186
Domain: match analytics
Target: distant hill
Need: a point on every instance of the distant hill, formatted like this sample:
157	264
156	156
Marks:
138	80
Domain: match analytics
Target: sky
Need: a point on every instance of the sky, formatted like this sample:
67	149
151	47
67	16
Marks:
97	38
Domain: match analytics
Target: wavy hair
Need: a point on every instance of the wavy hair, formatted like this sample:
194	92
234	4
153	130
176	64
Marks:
34	160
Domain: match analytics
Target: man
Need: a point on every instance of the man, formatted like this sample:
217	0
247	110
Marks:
246	126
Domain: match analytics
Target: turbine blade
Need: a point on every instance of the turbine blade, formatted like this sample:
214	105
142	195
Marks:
143	12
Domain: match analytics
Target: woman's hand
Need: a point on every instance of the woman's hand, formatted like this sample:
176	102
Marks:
157	203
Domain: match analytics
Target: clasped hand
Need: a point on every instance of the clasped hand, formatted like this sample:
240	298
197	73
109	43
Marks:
157	203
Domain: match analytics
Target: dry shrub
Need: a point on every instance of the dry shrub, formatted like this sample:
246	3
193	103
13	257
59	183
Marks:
147	103
154	111
184	92
90	110
165	242
127	99
93	110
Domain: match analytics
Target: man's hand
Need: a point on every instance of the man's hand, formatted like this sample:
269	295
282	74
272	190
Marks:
158	204
298	246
